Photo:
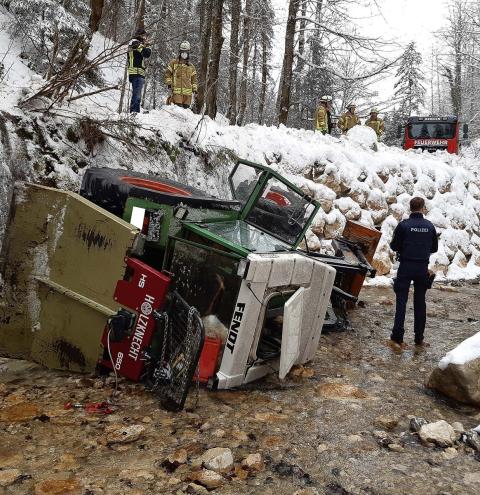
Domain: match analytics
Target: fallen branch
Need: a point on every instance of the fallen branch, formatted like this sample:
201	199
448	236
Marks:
91	93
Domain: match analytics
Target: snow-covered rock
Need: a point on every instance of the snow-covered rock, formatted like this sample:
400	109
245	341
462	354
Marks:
458	373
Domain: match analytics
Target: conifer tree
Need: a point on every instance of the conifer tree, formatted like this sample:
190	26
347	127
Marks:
409	87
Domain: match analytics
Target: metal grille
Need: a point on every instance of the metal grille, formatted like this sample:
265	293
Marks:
183	335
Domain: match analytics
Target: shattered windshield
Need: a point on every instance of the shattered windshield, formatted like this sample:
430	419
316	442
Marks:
247	236
432	130
281	211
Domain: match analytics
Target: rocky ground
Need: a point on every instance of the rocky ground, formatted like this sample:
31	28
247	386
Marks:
338	427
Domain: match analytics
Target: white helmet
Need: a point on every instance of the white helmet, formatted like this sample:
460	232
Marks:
326	98
374	110
184	46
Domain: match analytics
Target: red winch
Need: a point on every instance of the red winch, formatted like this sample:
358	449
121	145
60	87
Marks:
127	335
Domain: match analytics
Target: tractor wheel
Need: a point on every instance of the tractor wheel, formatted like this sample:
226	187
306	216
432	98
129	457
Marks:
110	189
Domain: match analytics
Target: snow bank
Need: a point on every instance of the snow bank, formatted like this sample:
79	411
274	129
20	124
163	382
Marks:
467	351
353	177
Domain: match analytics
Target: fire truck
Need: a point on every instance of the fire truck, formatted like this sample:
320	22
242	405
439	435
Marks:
432	133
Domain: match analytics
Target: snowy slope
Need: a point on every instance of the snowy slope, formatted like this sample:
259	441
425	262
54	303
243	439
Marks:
346	175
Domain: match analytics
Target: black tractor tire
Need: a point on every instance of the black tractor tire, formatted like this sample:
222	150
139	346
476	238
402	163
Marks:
110	188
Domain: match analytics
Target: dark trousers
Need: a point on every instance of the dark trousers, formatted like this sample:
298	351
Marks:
418	274
137	86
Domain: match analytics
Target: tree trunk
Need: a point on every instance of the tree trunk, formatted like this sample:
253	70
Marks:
236	7
96	11
140	19
251	87
205	36
301	36
247	19
214	62
263	89
285	89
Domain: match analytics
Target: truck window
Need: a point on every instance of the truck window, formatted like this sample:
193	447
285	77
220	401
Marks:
431	130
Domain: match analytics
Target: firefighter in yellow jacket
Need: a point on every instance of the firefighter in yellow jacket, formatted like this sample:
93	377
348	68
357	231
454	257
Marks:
349	119
375	123
323	119
181	77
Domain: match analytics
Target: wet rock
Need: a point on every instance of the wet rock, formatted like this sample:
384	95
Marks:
458	427
239	435
302	372
19	413
219	433
417	423
241	473
458	381
207	478
9	458
253	462
123	434
472	439
386	422
58	487
284	468
174	460
196	489
129	474
269	417
449	453
439	433
340	391
9	476
218	459
395	447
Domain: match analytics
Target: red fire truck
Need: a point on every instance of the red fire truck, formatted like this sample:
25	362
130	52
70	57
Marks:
432	133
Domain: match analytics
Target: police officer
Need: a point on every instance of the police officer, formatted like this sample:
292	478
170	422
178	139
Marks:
414	240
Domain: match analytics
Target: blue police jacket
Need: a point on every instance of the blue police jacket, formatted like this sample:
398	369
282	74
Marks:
415	239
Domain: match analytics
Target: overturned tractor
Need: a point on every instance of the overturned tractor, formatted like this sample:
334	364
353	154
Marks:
164	284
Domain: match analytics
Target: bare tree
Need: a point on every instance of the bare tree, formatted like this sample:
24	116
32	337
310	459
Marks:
247	20
205	10
214	62
236	8
285	89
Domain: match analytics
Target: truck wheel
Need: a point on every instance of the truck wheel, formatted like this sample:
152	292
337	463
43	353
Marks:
110	189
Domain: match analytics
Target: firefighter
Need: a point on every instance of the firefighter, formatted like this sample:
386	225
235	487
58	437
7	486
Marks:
137	52
414	240
323	116
181	77
375	123
349	119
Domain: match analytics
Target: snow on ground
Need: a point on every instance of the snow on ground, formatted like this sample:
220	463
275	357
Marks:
353	177
467	351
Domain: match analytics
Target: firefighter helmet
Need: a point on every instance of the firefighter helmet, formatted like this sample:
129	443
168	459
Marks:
184	46
351	105
374	110
326	99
